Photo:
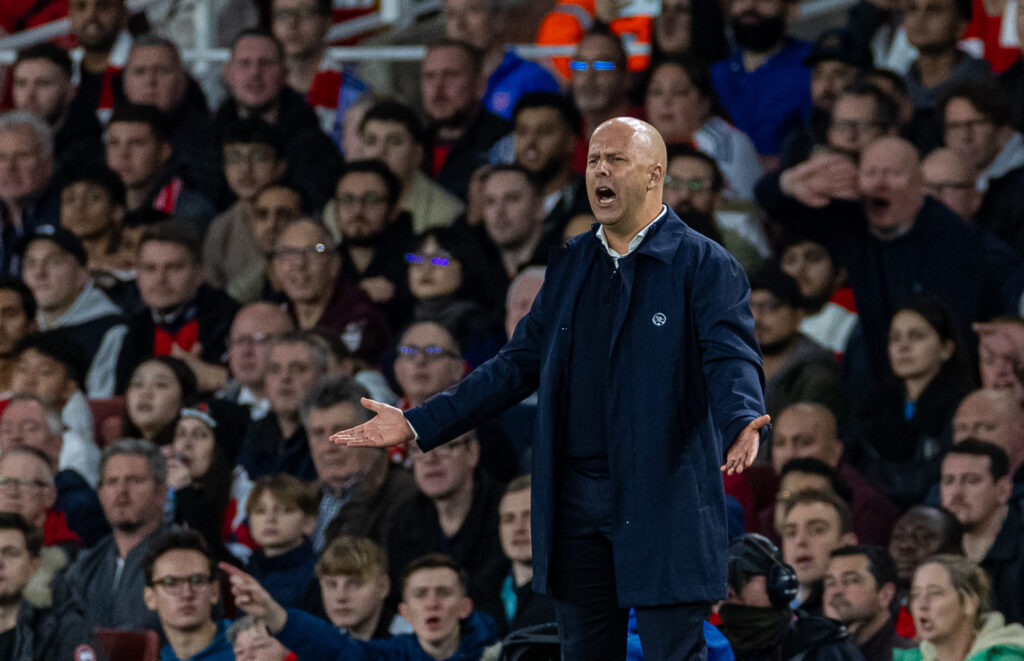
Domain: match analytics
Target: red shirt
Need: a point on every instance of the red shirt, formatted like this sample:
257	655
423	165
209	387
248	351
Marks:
984	31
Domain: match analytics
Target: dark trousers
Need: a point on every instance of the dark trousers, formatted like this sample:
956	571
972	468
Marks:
592	625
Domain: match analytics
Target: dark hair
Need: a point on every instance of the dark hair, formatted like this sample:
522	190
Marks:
466	248
145	216
813	466
940	317
389	110
513	168
986	96
323	7
33	536
887	110
304	204
97	173
258	32
880	564
965	9
131	112
28	301
436	561
568	111
811	496
682	150
782	285
373	166
189	393
708	42
60	347
178	233
601	29
287	489
898	82
47	51
331	391
254	131
699	75
999	462
177	540
472	54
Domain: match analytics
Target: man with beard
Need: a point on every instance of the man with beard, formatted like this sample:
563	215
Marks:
860	588
829	318
391	132
880	224
461	130
547	131
27	632
765	85
99	27
514	219
133	490
757	618
42	84
374	233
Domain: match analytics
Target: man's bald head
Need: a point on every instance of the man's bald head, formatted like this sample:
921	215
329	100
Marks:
805	430
950	179
891	186
625	174
995	416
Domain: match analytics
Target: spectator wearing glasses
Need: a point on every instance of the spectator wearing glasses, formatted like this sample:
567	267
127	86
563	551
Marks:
182	589
680	102
456	510
693	187
252	328
374	232
599	82
861	113
307	266
253	159
976	125
360	489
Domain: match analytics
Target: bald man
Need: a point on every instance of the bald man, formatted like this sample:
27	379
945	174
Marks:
950	179
641	344
995	416
809	430
895	242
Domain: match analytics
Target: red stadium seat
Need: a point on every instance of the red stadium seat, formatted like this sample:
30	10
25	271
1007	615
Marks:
129	645
106	419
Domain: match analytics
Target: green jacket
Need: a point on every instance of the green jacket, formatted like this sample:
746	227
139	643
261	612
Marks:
997	641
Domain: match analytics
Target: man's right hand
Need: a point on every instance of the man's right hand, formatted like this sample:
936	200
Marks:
253	598
820	179
389	427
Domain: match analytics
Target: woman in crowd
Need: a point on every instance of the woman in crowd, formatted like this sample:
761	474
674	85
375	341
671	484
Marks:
452	285
680	102
159	388
900	431
208	492
951	603
696	27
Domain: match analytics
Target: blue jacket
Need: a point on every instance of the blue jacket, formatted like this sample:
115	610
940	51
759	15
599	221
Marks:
687	374
312	638
286	577
219	648
513	78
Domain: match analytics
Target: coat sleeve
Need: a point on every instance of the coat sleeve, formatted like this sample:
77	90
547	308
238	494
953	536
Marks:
730	358
489	389
312	638
832	225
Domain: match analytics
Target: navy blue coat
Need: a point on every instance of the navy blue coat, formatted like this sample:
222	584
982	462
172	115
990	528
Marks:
685	373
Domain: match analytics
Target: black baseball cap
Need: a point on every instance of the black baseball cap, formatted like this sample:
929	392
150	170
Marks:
64	239
841	45
752	554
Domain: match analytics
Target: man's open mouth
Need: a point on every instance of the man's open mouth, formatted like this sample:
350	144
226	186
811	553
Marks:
605	195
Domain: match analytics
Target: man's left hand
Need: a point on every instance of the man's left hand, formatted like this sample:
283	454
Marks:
744	450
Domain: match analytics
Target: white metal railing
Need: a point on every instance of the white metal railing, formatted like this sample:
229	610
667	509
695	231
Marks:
395	13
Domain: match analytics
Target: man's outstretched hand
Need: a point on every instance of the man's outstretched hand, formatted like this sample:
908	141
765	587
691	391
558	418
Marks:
251	597
744	451
389	427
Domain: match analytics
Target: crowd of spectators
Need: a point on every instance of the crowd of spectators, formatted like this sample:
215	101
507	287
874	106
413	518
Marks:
193	299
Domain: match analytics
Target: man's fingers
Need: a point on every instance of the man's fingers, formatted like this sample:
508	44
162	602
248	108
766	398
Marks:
373	405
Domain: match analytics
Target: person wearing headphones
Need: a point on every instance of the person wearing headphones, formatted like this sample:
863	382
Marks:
758	619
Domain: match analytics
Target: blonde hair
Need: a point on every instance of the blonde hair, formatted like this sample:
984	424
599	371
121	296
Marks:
352	556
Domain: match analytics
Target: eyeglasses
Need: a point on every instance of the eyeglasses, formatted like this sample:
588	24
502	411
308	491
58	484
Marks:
175	585
293	255
692	184
858	125
430	353
597	65
937	187
366	199
434	260
19	483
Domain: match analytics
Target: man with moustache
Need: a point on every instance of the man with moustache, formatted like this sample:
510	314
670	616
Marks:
764	84
99	27
618	473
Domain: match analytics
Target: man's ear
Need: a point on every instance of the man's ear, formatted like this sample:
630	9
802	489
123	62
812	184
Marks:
308	525
465	608
149	596
656	176
849	539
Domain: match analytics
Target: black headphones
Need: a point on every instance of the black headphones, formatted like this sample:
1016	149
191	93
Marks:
780	581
